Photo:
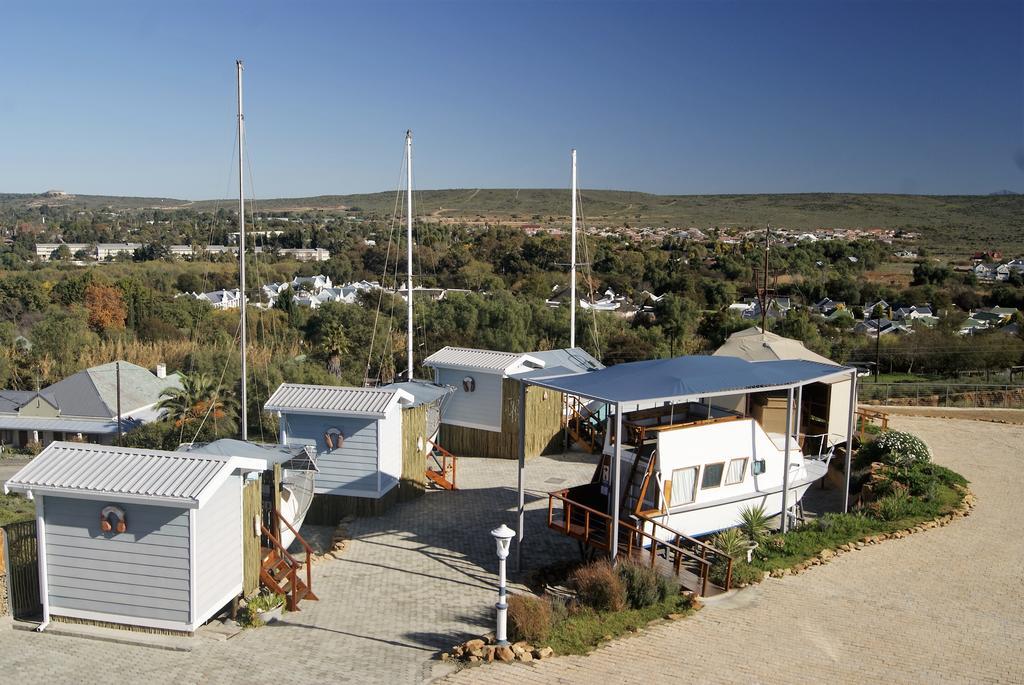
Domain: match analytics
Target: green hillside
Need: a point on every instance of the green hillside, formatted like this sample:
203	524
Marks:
946	222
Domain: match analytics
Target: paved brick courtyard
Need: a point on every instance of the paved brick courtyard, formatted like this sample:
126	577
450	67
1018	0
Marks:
941	606
411	582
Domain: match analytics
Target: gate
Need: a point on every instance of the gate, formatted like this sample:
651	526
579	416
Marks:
23	569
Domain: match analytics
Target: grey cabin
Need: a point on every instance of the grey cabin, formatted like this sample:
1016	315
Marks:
480	418
356	432
135	536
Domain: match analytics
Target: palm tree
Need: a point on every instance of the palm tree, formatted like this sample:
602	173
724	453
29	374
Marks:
333	345
200	398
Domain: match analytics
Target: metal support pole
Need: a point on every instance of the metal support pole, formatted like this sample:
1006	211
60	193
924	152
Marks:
785	461
849	440
501	630
520	526
613	492
244	409
117	374
798	415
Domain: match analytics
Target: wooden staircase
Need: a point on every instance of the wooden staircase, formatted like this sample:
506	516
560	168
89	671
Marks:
281	572
441	467
640	475
583	426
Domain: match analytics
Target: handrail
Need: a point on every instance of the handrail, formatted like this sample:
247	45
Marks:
445	456
293	601
306	547
633	532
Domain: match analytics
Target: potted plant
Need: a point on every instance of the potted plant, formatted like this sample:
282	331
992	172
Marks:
265	607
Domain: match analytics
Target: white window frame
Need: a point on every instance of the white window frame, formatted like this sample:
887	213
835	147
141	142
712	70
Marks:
743	471
673	502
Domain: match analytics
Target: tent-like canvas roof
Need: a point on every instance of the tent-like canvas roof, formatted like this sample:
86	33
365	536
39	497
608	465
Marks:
690	377
753	345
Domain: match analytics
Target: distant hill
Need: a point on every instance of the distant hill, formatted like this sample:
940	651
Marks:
945	221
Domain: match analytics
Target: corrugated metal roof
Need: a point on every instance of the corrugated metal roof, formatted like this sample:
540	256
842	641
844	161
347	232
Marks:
74	468
563	361
331	399
483	360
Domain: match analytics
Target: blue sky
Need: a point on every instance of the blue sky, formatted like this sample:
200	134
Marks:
685	97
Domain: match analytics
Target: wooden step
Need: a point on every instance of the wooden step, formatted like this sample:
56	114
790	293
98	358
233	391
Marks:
439	479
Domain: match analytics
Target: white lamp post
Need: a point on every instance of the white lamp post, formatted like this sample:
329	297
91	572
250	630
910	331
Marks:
503	537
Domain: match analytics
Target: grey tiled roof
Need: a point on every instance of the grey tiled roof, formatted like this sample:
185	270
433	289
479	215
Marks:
330	399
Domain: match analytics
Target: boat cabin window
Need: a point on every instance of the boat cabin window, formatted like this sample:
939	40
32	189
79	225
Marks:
759	467
712	475
737	470
684	482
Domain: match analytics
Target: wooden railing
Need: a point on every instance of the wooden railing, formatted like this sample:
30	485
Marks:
447	463
593	528
582	424
292	565
869	416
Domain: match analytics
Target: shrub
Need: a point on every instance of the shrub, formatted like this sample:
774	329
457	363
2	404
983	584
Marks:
598	587
530	617
667	587
893	507
896	448
641	584
731	542
754	523
742	573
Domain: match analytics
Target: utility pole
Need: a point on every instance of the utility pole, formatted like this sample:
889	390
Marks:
878	338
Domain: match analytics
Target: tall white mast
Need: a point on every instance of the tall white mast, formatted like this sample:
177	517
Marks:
572	261
408	245
241	249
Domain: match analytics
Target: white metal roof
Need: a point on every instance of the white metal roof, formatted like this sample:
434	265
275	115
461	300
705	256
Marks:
296	398
481	360
82	470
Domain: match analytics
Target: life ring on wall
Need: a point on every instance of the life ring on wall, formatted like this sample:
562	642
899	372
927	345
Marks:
108	513
334	439
468	384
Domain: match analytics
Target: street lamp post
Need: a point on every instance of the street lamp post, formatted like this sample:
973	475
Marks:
503	538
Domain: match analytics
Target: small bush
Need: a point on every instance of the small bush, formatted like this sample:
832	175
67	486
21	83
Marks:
754	523
896	448
742	573
731	542
667	587
598	587
641	584
530	617
894	507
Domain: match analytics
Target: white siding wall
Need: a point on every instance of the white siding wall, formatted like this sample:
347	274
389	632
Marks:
142	573
478	409
391	449
219	549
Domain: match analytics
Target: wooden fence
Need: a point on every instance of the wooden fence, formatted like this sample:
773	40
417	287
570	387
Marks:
21	554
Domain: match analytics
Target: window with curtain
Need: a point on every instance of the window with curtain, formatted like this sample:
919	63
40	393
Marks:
712	475
737	470
683	484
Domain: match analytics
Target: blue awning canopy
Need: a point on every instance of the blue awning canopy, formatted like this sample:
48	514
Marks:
690	378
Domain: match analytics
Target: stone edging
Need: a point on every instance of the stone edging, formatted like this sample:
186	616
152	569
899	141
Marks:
824	556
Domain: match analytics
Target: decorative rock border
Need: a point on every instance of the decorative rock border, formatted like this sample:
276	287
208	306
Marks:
484	650
967	504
